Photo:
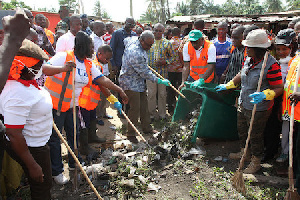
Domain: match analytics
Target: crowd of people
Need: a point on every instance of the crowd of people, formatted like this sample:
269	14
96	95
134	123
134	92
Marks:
49	77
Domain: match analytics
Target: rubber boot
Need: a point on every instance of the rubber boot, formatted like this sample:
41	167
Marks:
93	138
84	147
238	155
254	165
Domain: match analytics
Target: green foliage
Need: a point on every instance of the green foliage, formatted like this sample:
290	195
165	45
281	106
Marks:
273	5
71	3
13	4
293	4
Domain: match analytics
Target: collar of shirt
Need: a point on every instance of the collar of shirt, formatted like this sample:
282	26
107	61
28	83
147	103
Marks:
253	63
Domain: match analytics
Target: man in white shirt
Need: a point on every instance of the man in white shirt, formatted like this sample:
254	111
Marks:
66	42
99	30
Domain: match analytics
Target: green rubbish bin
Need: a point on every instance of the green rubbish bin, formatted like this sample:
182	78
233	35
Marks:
218	115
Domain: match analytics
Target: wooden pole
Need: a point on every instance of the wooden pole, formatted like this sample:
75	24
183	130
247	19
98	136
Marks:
75	131
77	161
161	77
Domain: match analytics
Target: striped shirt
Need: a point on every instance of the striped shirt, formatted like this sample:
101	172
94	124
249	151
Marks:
235	63
161	49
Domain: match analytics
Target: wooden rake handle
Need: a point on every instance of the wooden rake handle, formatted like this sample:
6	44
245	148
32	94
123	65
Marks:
161	77
241	165
77	161
135	129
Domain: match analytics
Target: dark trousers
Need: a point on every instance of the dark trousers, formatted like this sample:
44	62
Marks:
87	116
65	120
42	156
257	133
175	79
273	129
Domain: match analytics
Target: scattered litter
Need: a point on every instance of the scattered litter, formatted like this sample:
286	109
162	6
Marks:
113	128
153	187
218	158
142	179
127	183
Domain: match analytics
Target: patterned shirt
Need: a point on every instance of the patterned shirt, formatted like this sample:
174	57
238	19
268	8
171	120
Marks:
134	70
176	66
43	40
235	63
106	38
161	49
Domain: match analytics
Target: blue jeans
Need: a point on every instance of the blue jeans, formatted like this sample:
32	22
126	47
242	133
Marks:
65	120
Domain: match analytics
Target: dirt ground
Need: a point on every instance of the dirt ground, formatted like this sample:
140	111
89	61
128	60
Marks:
177	181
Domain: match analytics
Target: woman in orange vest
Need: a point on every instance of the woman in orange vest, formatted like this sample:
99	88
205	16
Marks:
199	56
86	73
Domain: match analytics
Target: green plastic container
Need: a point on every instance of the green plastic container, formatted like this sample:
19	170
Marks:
218	116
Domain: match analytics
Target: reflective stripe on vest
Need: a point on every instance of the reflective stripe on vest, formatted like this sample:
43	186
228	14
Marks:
54	84
289	87
199	66
90	95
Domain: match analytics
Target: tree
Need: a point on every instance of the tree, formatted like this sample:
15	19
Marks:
99	11
97	8
13	4
293	4
71	3
182	9
273	5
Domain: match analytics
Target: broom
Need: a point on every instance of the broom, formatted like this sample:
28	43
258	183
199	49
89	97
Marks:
237	180
292	191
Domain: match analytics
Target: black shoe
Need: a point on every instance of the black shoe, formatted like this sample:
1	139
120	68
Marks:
100	122
108	116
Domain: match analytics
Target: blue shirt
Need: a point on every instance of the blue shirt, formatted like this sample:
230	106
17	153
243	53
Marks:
117	45
134	70
222	55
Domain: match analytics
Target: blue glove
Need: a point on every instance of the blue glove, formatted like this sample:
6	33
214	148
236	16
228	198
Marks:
220	87
198	83
164	82
257	97
118	106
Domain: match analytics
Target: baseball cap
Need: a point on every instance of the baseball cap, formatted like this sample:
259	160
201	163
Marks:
195	35
285	36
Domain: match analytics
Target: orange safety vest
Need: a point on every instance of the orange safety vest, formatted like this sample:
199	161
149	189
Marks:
54	84
90	95
289	89
50	35
199	66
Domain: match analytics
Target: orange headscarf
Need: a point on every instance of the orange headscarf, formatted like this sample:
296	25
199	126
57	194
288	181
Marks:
19	63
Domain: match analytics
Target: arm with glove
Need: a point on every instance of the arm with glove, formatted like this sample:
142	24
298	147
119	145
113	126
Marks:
267	94
234	83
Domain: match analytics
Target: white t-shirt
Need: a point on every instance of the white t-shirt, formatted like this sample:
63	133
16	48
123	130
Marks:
211	53
65	42
81	77
28	107
98	41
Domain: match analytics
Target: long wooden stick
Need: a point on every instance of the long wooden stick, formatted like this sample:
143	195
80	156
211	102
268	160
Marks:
241	165
75	131
135	129
77	161
291	176
161	77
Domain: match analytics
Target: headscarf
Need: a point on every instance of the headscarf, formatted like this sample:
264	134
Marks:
19	63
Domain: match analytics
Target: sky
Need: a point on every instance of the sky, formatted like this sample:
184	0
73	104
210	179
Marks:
117	9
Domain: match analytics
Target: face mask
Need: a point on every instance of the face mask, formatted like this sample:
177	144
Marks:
285	60
37	73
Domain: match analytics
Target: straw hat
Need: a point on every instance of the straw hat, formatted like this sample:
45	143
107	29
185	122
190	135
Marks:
257	38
